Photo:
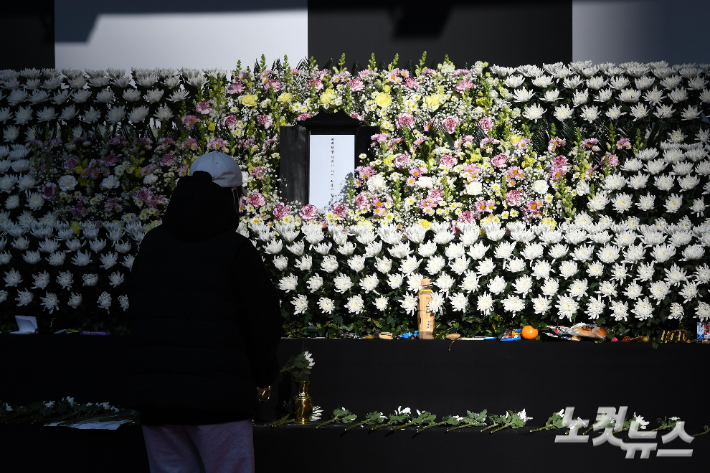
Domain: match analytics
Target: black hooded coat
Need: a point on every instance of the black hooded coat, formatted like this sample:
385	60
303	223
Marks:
206	321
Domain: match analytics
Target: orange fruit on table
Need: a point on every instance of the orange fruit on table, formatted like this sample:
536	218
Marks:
529	333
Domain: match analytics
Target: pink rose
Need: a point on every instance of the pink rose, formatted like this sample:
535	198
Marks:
499	160
356	85
340	209
464	85
308	212
256	199
111	160
401	161
450	123
167	159
448	161
467	217
486	123
276	85
357	116
318	83
230	121
560	162
265	120
362	201
411	83
612	160
514	197
281	210
435	195
235	88
203	107
405	120
303	116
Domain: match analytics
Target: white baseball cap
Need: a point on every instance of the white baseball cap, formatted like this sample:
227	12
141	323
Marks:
222	167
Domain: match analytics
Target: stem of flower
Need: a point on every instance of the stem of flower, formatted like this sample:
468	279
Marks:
430	426
505	426
490	427
463	426
541	428
355	425
702	433
283	421
327	422
400	427
386	424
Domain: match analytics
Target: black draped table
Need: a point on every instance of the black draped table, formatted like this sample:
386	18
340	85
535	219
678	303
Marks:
368	375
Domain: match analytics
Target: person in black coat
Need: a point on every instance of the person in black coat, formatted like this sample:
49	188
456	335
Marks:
206	324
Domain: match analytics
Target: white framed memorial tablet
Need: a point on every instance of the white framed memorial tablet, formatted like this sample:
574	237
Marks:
331	162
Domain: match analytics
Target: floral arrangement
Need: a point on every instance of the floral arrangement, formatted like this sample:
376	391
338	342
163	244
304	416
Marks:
569	192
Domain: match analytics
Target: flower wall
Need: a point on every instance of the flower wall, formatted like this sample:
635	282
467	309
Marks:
558	194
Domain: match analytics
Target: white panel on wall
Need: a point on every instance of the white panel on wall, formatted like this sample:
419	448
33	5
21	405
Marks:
641	30
197	40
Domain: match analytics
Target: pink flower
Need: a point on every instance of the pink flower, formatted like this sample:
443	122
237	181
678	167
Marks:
435	195
256	199
356	85
401	161
167	159
450	123
182	170
486	123
259	172
190	121
357	116
48	190
534	208
111	160
276	85
203	107
362	201
448	161
303	116
611	160
560	162
70	163
281	210
499	160
143	195
467	217
411	83
317	82
235	88
464	85
405	120
514	197
308	212
380	138
265	120
340	209
230	121
366	172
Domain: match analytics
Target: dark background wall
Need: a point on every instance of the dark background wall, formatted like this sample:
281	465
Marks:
504	32
27	34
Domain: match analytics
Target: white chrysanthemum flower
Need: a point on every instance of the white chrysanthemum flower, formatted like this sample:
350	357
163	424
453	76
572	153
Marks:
662	253
563	112
589	113
459	302
281	262
436	303
411	264
104	301
138	114
381	303
595	308
369	283
485	267
639	111
459	265
123	302
703	311
298	248
533	251
513	304
675	275
689	291
558	251
523	285
534	112
314	283
470	282
542	269
346	249
74	300
620	310
622	202
12	278
357	263
50	302
485	303
633	291
434	265
394	280
401	250
497	285
24	297
383	265
702	274
326	305
342	283
607	288
65	279
694	252
583	253
568	269
643	309
32	257
676	311
566	307
90	280
478	250
128	261
541	305
578	288
288	283
116	278
41	280
300	304
329	264
409	304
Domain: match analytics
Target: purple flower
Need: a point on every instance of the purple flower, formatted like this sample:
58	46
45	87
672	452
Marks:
48	190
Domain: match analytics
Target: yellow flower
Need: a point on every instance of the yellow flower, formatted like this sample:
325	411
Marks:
388	160
425	223
515	138
76	227
433	101
528	161
327	97
248	100
211	126
383	100
284	98
550	222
